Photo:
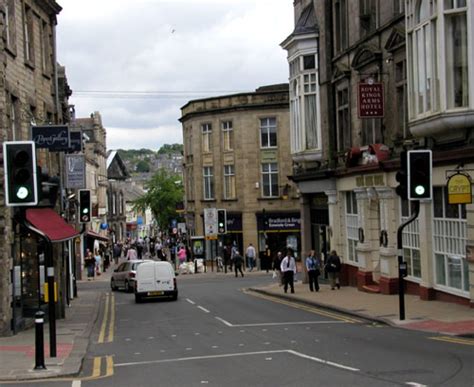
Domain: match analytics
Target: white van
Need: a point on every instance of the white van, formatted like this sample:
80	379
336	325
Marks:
155	279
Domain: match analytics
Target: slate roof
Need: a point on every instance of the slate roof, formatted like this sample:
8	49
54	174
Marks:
307	23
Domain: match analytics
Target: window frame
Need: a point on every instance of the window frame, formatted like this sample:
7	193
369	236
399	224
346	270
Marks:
344	135
206	137
266	132
352	226
208	183
28	35
269	180
227	135
229	182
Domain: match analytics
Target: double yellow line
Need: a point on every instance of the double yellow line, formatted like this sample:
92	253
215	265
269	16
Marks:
306	308
453	339
97	368
108	317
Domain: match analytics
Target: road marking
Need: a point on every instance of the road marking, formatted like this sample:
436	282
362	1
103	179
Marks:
76	383
227	355
311	309
190	301
454	340
415	384
112	319
110	366
203	309
104	319
317	359
96	367
276	324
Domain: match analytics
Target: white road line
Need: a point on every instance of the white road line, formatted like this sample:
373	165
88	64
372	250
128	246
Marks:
414	384
198	358
203	309
190	301
76	383
224	322
316	359
227	355
278	323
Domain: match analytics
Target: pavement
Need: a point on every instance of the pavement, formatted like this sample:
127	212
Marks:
17	353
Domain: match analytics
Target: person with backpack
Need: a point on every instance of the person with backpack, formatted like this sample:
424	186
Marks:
333	268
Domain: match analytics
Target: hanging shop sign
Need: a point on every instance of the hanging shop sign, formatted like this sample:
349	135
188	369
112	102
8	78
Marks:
75	141
370	99
459	189
52	137
75	169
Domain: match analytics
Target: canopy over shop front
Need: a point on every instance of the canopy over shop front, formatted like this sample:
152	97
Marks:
47	222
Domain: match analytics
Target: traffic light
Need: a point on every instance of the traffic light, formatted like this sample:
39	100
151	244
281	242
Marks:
419	175
85	207
20	173
221	221
48	189
402	177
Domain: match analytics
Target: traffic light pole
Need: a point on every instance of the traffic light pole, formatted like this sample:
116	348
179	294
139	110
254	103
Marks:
401	264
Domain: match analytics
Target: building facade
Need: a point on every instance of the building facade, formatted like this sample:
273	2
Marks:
236	157
390	76
117	175
32	92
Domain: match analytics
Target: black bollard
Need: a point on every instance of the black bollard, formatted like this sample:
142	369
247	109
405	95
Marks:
39	341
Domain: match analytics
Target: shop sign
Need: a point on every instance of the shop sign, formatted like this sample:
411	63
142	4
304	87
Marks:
371	99
281	221
234	222
459	189
52	137
75	141
210	222
75	171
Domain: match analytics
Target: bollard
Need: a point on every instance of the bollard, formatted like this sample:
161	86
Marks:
39	341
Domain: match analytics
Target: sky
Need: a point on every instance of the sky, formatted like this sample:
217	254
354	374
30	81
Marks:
137	62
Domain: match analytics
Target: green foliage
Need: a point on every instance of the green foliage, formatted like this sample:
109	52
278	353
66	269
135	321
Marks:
173	148
143	166
130	154
163	192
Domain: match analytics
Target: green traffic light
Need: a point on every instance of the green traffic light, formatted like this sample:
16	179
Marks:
420	190
22	193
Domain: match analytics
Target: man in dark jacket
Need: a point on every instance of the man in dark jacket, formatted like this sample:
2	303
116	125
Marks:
238	261
333	268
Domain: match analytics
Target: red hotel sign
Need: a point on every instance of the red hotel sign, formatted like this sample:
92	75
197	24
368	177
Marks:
371	102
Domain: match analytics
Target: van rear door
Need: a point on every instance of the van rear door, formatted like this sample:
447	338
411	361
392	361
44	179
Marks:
164	277
146	277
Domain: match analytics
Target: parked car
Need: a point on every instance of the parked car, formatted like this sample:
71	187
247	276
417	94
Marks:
124	275
155	280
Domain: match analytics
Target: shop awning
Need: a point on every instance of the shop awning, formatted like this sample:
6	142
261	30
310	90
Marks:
49	223
97	236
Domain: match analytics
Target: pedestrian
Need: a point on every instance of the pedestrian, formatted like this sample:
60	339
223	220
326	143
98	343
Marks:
288	269
313	266
333	268
158	249
238	261
267	256
131	253
250	255
140	247
117	252
277	267
226	258
182	254
89	262
98	262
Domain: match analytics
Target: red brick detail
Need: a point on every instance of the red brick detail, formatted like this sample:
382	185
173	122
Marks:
348	275
427	294
388	285
364	278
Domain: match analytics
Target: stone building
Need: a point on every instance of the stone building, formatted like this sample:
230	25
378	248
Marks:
31	92
117	175
236	157
415	64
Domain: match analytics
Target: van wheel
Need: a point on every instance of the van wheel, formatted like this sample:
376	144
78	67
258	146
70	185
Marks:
138	298
113	286
128	289
174	297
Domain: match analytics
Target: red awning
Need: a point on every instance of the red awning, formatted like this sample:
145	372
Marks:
95	235
51	224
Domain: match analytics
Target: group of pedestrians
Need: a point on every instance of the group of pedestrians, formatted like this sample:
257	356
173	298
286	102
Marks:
285	269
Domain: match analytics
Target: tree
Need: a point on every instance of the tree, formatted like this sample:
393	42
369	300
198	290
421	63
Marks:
143	166
163	192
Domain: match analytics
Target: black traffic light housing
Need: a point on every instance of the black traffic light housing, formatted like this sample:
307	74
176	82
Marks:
85	206
20	173
402	177
48	189
221	221
419	175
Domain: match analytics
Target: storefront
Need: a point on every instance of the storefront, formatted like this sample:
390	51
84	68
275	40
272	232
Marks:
277	231
43	230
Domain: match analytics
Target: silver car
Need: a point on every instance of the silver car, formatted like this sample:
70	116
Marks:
124	275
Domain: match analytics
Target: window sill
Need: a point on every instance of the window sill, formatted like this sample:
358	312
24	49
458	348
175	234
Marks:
230	200
269	198
30	64
208	200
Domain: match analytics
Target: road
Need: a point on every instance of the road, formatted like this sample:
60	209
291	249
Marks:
217	334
